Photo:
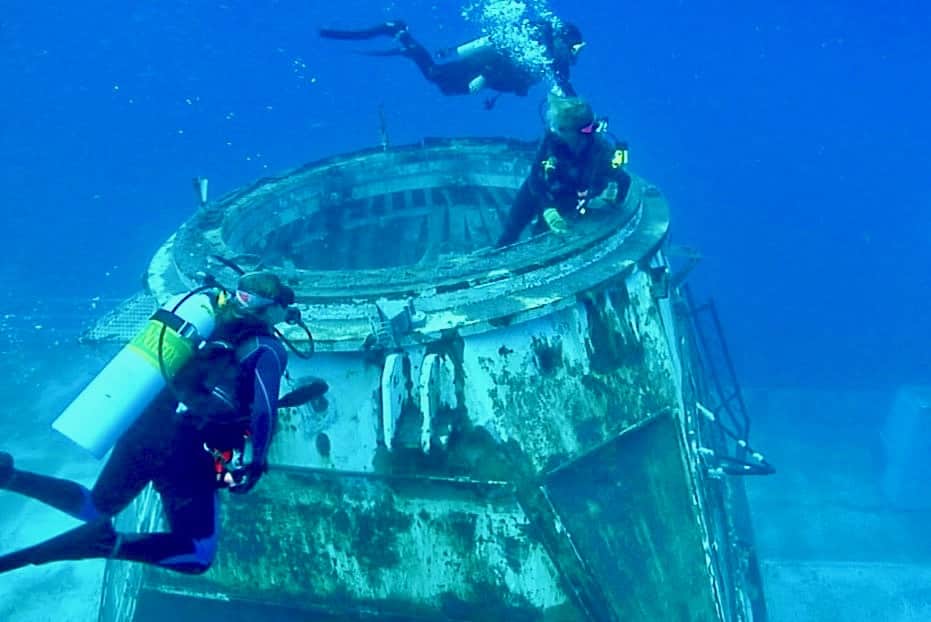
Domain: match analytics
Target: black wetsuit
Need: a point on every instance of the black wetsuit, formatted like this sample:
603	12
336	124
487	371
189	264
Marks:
167	449
565	181
501	72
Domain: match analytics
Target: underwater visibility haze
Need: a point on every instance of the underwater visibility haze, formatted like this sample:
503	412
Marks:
791	140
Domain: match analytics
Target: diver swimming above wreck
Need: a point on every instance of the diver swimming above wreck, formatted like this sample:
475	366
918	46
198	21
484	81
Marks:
576	169
548	50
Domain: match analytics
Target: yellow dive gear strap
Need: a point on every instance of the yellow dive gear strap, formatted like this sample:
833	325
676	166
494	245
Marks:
555	221
621	157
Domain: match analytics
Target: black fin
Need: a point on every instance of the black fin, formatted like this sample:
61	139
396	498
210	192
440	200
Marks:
6	467
387	29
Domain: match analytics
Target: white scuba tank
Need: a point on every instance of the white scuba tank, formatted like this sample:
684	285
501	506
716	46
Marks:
131	380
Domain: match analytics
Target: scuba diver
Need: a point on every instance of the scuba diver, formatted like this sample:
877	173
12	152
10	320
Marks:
209	428
576	169
481	64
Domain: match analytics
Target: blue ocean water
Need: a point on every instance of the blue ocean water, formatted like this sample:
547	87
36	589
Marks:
791	138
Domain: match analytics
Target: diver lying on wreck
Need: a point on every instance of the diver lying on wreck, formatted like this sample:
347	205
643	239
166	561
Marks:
577	168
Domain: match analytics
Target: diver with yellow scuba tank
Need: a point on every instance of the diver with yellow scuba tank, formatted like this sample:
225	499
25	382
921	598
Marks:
191	405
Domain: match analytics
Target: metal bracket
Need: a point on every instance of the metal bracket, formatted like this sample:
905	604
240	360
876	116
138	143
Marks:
396	318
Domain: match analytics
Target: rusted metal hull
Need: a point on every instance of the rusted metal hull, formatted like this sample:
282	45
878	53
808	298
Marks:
506	434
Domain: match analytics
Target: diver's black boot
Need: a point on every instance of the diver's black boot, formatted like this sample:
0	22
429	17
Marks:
93	540
6	468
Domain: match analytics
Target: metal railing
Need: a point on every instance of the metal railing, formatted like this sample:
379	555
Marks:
720	399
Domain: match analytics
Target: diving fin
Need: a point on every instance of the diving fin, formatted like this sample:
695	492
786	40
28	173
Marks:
387	29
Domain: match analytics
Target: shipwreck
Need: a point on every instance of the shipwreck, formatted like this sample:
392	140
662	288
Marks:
547	431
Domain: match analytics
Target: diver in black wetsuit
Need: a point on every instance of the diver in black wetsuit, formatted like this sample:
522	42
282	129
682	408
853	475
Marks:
575	170
480	64
211	431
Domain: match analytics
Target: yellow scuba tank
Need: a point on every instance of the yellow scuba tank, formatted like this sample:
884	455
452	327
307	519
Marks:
139	372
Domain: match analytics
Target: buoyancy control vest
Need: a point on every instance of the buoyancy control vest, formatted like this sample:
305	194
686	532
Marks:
215	388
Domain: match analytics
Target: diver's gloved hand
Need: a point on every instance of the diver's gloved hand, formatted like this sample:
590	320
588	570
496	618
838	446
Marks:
236	469
607	198
555	221
476	84
609	194
245	479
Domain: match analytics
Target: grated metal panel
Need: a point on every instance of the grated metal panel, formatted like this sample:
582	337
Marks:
122	323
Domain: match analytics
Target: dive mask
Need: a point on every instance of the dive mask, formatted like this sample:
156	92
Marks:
595	127
253	302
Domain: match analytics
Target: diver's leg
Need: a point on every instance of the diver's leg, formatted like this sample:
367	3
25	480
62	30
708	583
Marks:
409	47
189	547
386	29
132	464
191	544
187	486
449	77
455	78
62	494
94	539
123	477
126	474
184	477
117	485
414	50
144	453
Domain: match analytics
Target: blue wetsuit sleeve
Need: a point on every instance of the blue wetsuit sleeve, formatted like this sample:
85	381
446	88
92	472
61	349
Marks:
270	361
